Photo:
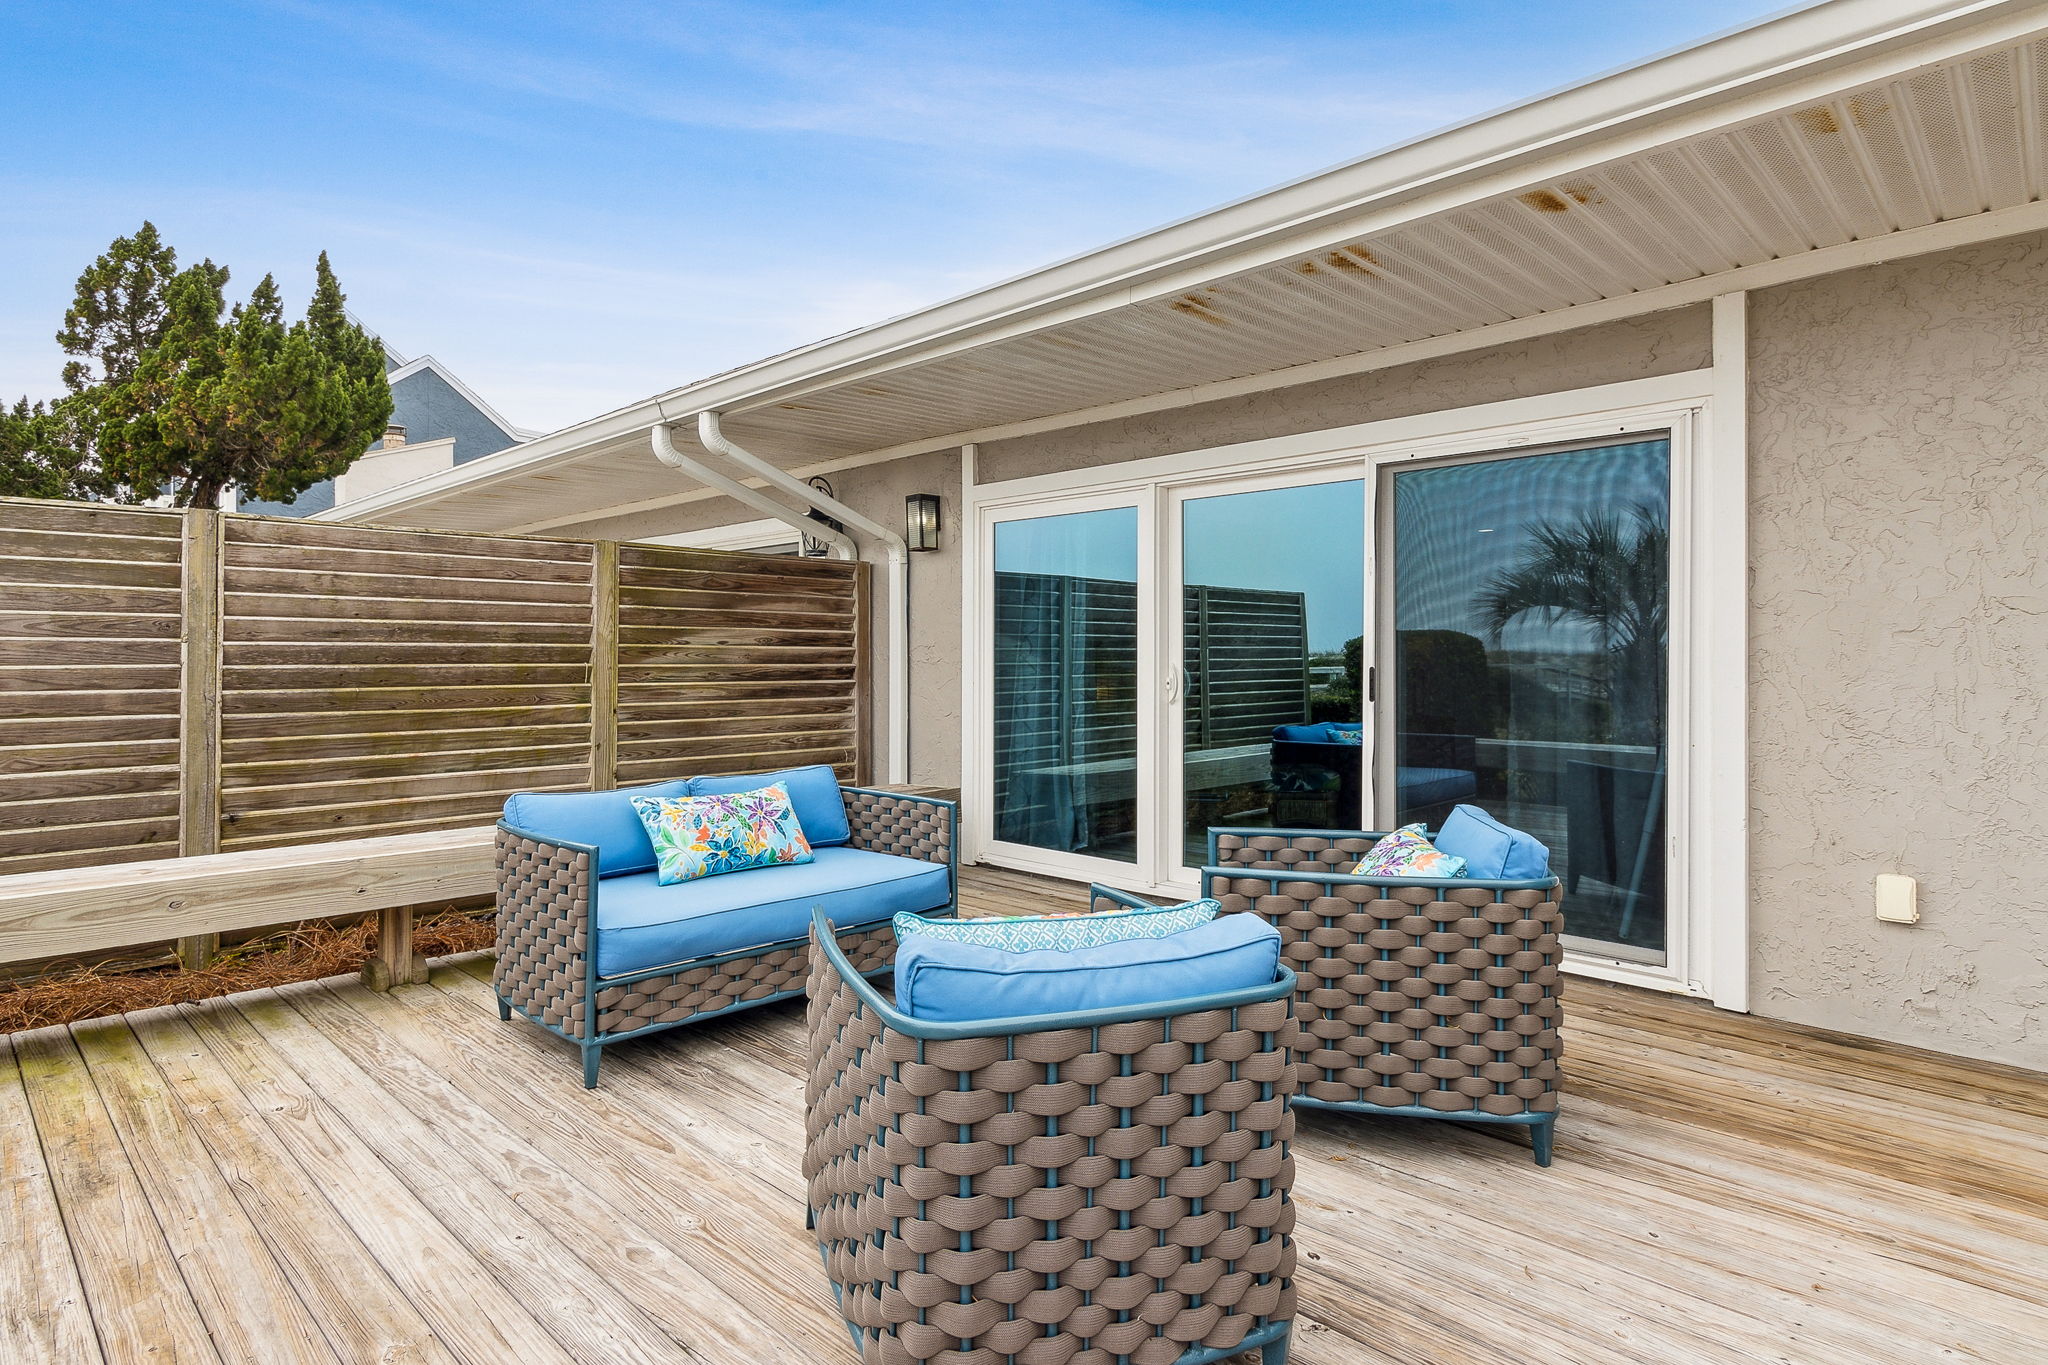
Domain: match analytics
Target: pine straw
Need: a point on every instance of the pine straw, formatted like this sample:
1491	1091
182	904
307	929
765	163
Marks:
312	950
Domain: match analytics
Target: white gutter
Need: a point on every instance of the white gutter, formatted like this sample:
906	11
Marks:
714	440
665	451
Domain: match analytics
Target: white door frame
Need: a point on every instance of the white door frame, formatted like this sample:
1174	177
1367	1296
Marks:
978	673
1173	497
1709	810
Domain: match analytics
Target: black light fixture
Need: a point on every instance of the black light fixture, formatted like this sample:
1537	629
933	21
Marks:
921	521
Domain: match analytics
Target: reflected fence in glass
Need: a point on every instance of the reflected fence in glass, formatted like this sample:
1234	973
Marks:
1273	601
1530	667
1065	683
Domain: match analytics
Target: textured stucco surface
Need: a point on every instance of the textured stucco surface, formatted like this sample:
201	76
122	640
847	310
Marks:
1899	648
1660	343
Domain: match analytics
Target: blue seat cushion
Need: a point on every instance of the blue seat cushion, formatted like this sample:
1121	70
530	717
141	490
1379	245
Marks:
643	924
1434	786
1491	849
954	981
813	793
606	819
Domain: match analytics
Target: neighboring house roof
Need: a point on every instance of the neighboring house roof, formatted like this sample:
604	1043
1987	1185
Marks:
1811	141
432	404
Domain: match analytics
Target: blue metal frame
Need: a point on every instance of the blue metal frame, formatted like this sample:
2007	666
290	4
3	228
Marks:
1542	1127
1272	1340
593	1043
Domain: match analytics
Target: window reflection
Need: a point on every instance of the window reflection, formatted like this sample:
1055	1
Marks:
1531	634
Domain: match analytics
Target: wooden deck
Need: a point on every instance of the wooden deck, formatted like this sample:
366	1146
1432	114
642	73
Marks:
324	1174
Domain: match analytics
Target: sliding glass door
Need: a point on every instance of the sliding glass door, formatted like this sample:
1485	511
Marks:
1064	624
1270	688
1365	645
1526	602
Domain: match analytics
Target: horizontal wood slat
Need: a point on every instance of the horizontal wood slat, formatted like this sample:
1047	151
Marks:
89	672
374	681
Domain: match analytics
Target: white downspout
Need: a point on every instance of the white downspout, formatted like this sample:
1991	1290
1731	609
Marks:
715	441
665	451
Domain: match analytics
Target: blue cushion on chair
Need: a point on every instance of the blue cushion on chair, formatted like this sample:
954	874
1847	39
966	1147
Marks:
606	819
643	924
1490	849
813	792
950	980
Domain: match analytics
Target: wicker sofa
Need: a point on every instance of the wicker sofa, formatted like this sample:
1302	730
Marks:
1088	1188
561	914
1432	997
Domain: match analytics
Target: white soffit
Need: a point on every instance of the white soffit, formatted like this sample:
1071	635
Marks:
1931	141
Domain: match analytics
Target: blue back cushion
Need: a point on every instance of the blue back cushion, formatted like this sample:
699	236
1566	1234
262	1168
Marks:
813	792
955	981
1490	849
606	819
1301	734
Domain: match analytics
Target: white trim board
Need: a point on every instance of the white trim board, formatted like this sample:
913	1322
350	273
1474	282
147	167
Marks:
1707	822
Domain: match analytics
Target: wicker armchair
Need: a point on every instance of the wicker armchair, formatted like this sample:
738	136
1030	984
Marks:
1433	997
546	966
1088	1189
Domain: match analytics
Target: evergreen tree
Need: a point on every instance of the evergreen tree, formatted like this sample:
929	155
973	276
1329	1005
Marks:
172	391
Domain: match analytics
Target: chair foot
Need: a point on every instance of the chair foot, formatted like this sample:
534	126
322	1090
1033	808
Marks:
504	1008
1540	1136
591	1054
1275	1352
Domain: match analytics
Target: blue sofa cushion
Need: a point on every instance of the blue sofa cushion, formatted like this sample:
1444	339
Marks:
954	981
813	791
643	924
1490	849
1434	786
606	819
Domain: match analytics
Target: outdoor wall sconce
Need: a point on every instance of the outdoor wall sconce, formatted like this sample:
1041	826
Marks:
921	521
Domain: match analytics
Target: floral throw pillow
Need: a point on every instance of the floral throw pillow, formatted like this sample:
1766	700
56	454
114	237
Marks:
1084	929
1406	853
702	836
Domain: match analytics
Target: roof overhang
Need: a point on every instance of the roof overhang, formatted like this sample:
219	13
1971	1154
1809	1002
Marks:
1819	139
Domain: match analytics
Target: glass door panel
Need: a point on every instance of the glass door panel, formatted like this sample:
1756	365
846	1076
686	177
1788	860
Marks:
1272	695
1529	598
1065	681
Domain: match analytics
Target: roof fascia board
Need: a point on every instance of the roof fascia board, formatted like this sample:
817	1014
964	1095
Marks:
1666	98
1920	241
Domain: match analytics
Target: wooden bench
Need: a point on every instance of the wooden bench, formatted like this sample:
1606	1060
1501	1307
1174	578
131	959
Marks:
83	910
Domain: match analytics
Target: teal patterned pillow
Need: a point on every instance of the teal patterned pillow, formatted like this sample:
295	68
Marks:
702	836
1083	929
1408	853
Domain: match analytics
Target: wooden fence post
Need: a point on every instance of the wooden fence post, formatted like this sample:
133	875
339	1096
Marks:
604	666
199	706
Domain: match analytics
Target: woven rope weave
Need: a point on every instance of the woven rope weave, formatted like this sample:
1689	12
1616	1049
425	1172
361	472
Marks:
908	826
543	932
1443	999
1071	1196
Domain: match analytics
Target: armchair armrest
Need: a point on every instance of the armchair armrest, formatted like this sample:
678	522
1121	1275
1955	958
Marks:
544	960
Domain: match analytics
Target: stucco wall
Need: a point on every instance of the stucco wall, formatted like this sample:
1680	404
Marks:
1899	647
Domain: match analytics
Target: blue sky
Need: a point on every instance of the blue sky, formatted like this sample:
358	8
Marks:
575	205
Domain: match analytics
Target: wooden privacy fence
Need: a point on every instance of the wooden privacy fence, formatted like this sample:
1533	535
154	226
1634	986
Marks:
198	682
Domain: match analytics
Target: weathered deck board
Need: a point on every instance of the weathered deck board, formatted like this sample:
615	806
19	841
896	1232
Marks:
406	1178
